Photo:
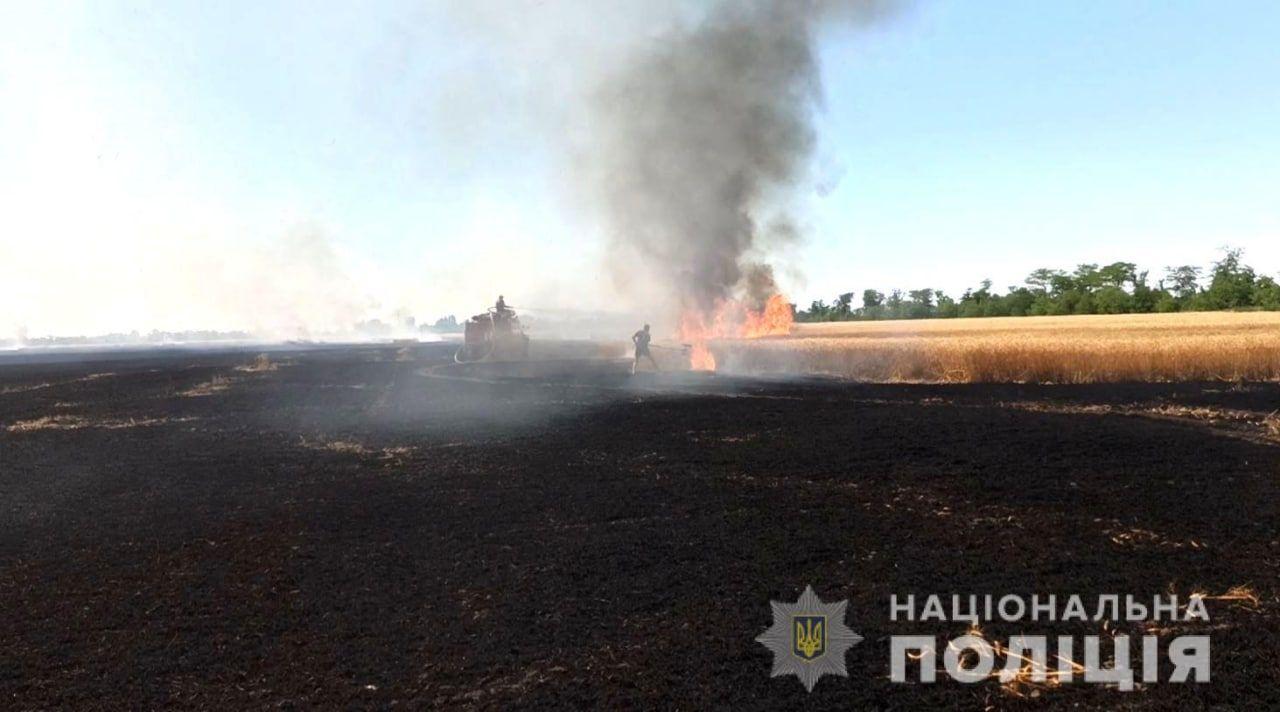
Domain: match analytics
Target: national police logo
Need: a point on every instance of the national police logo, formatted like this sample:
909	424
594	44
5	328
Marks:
809	638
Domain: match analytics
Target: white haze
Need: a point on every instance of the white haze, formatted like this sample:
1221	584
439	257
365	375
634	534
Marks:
141	189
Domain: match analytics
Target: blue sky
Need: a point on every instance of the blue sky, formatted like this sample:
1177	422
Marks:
989	138
292	166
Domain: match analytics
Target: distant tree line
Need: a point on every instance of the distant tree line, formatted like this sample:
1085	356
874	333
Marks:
445	325
1117	288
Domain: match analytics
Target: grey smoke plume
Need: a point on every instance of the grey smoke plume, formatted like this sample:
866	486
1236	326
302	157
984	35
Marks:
700	140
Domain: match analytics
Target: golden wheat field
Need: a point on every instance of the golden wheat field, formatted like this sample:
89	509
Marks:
1196	346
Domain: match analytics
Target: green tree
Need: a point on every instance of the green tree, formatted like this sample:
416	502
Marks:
1084	304
1061	282
1118	274
1087	278
1266	293
1044	280
817	311
969	306
893	304
920	303
1144	297
1167	303
1112	300
996	305
843	307
1019	301
1184	281
947	307
1042	305
1231	282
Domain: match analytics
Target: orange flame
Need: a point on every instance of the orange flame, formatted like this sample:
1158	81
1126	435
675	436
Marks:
731	319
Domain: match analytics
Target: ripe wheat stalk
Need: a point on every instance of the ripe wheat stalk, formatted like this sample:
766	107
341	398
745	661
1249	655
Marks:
1091	349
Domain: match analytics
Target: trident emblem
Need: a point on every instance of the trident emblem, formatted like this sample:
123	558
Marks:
809	639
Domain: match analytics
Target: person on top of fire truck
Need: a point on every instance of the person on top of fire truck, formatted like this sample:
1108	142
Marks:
500	310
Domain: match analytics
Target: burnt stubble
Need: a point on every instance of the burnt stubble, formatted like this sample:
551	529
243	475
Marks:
355	527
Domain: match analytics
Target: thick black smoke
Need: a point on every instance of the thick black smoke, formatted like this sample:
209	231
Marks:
700	140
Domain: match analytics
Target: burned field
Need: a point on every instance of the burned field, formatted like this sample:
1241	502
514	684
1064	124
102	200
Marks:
347	527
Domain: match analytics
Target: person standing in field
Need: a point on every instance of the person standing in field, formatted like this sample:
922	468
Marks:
641	339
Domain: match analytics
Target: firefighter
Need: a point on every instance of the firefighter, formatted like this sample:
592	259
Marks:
641	339
500	311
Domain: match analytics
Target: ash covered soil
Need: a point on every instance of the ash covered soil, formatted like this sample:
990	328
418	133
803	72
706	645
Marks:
344	527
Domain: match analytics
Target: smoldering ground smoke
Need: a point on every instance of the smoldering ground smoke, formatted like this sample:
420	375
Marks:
700	140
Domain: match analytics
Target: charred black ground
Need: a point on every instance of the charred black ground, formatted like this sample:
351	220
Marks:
338	528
